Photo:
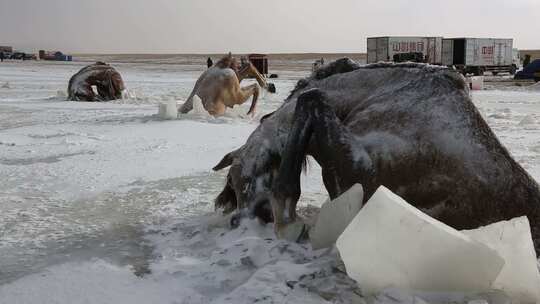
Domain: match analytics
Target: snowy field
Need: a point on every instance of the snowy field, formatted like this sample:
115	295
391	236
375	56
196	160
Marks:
105	203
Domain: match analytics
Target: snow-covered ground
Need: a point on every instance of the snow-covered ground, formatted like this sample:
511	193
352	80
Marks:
105	203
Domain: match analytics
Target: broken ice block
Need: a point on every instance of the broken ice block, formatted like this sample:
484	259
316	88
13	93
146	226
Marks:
335	216
477	83
168	110
519	278
392	244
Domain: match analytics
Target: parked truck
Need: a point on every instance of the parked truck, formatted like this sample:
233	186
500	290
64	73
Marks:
55	56
7	50
478	55
397	48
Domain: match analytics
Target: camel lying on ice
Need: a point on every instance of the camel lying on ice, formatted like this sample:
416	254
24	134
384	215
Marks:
104	77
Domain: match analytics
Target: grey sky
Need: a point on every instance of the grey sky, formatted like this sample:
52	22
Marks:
199	26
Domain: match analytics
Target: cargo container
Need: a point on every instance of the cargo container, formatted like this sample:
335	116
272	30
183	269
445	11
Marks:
6	49
260	61
385	49
478	55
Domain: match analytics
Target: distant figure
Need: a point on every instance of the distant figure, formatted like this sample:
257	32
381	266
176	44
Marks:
2	56
322	61
209	62
527	60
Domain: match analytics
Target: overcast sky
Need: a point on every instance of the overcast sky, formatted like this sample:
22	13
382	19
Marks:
217	26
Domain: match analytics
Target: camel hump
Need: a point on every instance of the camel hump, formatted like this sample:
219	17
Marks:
340	66
214	72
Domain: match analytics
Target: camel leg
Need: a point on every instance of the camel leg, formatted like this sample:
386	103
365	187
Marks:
243	94
187	106
286	187
316	124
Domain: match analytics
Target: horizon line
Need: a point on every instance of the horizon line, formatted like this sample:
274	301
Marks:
218	54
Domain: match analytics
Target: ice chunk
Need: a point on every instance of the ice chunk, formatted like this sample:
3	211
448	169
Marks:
512	239
392	244
335	216
168	110
476	83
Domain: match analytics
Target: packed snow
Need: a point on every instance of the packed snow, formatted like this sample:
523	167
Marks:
109	203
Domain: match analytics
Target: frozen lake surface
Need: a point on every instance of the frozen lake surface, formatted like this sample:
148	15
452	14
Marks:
105	203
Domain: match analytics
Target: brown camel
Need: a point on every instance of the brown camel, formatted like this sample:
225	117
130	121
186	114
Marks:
219	87
104	77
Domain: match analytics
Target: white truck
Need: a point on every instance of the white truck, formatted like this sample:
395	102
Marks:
478	55
391	48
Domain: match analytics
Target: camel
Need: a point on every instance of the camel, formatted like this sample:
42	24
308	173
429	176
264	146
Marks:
107	80
410	127
219	87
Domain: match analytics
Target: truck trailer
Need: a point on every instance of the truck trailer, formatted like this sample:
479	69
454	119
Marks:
410	48
478	55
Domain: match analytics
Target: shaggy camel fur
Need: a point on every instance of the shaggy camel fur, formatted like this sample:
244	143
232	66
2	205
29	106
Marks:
410	127
104	77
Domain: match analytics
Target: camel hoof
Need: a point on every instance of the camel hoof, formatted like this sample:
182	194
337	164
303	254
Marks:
235	221
294	232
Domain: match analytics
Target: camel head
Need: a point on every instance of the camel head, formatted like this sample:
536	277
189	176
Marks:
118	86
244	69
109	84
254	166
247	186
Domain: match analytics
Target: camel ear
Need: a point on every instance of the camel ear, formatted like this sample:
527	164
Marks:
226	161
